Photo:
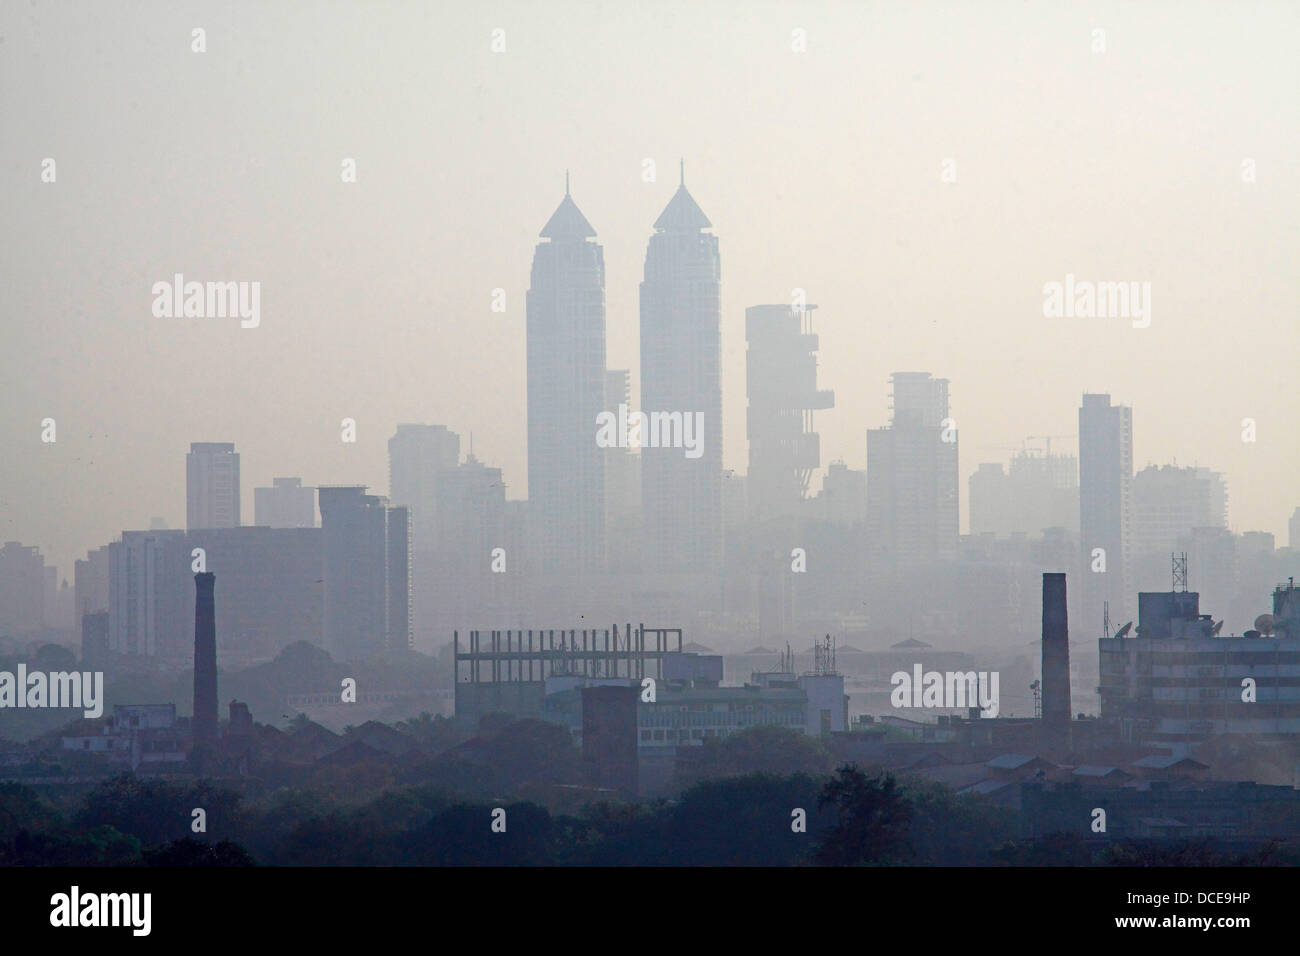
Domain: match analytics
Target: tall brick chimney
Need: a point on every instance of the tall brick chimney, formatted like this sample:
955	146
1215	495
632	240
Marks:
1056	654
205	661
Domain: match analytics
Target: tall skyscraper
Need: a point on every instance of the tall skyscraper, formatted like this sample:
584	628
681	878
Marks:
622	482
286	504
681	378
417	456
474	578
366	576
1105	507
912	503
566	394
1169	501
781	382
212	486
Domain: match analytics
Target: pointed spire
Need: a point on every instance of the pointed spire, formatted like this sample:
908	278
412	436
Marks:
682	214
567	222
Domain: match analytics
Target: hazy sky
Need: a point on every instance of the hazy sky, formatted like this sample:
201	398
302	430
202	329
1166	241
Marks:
820	170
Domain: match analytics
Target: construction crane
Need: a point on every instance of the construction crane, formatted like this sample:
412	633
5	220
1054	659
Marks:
1048	440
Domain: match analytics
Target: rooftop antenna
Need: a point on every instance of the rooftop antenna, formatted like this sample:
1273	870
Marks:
682	166
566	182
1179	571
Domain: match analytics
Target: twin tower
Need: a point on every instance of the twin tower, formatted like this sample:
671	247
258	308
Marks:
681	352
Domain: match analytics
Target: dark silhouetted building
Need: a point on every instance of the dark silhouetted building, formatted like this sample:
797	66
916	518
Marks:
205	663
609	737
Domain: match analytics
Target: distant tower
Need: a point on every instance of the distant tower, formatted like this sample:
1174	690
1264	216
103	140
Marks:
1105	496
286	504
681	374
1056	653
366	573
912	504
566	393
418	455
212	486
781	381
205	662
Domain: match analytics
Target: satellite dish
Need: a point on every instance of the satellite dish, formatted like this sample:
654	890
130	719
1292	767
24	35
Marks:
1214	631
1123	631
1264	624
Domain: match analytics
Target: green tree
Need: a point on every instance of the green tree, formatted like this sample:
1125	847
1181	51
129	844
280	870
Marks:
872	817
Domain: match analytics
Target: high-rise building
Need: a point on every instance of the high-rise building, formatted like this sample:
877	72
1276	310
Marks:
844	494
781	382
22	589
286	504
417	456
622	483
1293	530
366	572
148	603
90	582
270	593
479	564
912	502
1105	507
1169	502
681	385
566	394
1040	491
212	486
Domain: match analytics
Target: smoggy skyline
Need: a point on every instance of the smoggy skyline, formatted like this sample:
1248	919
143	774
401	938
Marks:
822	170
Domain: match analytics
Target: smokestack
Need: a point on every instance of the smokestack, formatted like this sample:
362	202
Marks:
205	661
1056	653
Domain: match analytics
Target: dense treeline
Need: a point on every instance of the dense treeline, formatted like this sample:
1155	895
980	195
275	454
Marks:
852	818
